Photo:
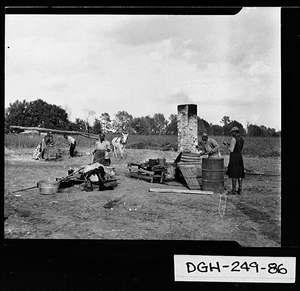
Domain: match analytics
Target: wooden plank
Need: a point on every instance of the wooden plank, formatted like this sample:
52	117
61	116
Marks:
140	176
184	191
189	165
145	171
183	161
190	154
139	169
192	175
190	157
40	129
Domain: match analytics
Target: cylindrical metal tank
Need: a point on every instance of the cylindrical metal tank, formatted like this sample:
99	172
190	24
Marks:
213	174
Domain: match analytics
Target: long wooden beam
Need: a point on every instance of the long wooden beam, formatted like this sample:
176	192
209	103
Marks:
40	129
185	191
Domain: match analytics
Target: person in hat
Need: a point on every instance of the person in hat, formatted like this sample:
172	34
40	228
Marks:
235	169
47	142
48	139
102	151
211	147
72	143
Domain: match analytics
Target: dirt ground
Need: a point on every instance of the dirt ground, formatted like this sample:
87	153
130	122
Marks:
253	219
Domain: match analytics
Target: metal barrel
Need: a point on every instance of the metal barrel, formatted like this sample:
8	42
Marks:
213	174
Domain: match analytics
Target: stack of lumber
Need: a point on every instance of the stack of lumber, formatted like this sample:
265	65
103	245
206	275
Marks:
193	158
140	172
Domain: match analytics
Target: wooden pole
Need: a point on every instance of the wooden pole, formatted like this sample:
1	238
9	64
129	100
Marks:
24	189
185	191
40	129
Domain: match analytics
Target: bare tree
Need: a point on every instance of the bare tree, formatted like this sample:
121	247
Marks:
88	114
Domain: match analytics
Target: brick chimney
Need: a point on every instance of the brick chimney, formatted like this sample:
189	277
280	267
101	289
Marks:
187	127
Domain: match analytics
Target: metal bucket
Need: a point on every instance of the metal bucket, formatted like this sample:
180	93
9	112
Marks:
213	174
48	187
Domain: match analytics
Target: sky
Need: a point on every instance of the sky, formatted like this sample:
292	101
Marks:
228	65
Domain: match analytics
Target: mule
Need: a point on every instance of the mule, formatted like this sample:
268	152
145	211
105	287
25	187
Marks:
118	144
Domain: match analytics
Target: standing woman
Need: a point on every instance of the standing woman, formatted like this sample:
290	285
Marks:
235	169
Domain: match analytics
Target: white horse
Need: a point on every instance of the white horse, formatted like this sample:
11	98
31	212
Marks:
119	143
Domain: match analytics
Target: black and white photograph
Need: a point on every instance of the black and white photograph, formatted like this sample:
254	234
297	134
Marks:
150	147
143	127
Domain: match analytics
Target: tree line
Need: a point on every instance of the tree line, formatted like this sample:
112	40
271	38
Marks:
39	113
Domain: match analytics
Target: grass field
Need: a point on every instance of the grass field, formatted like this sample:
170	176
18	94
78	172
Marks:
253	146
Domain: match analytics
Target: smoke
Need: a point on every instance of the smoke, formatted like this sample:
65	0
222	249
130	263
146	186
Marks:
181	98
